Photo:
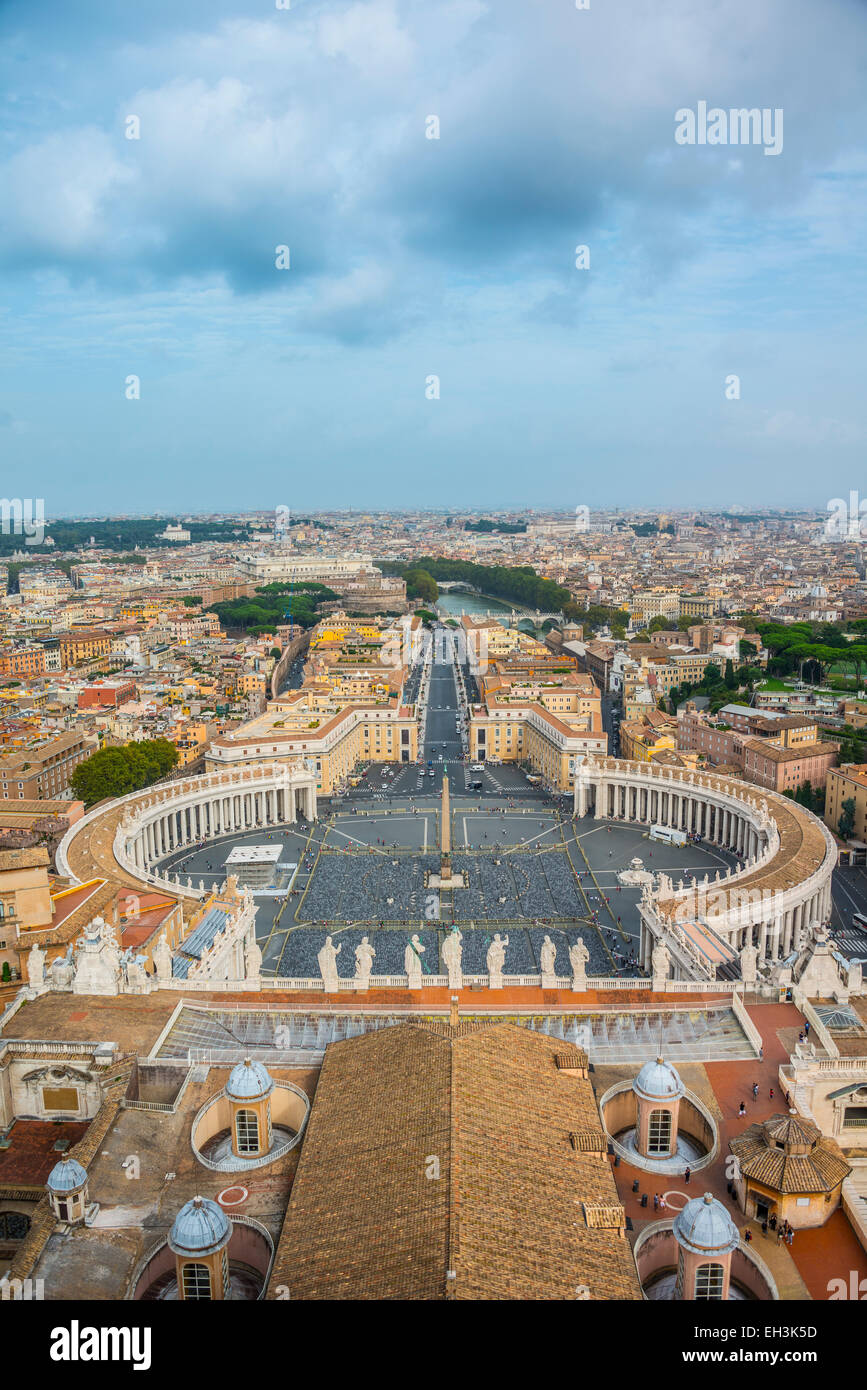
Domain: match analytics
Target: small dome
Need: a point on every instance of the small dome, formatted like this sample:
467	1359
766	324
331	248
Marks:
658	1081
66	1176
704	1225
249	1081
792	1132
200	1228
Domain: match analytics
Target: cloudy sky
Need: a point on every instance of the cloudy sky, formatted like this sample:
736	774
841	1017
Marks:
412	258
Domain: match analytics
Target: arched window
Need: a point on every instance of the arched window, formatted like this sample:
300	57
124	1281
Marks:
14	1225
659	1132
247	1130
709	1281
197	1281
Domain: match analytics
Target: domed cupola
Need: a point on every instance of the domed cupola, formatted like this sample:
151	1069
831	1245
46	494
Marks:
248	1091
249	1080
200	1228
704	1226
658	1090
658	1080
200	1233
706	1237
67	1190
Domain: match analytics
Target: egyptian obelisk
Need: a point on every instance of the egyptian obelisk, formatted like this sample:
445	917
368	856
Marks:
445	835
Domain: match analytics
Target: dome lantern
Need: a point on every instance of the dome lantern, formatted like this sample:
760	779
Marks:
658	1090
199	1238
67	1190
706	1237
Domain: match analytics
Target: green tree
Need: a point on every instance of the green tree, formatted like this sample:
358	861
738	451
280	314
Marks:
116	771
421	585
846	822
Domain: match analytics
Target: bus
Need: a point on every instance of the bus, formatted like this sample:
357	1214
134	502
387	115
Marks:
668	834
859	919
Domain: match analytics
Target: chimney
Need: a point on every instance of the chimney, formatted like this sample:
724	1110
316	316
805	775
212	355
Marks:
454	1014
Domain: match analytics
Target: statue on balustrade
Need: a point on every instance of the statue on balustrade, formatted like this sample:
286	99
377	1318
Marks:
749	956
327	958
364	957
412	961
162	955
548	959
578	958
660	959
495	960
252	959
452	952
36	966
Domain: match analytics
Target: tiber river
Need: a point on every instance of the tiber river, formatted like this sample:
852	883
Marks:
452	603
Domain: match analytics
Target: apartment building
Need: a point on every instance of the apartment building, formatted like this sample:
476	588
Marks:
841	784
780	753
308	725
25	897
782	769
655	603
696	606
83	645
106	694
550	727
23	661
40	767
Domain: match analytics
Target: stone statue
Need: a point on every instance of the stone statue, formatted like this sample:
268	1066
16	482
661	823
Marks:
62	970
548	962
749	955
36	967
328	964
364	955
163	960
661	962
252	959
412	961
136	973
496	959
451	954
578	958
98	963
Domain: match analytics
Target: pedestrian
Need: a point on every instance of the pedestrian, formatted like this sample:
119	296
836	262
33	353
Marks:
790	1237
687	1174
772	1221
765	1227
801	1036
781	1235
755	1090
742	1112
807	1029
656	1201
748	1236
771	1093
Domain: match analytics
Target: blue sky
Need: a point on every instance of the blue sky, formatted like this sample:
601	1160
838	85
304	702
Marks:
413	257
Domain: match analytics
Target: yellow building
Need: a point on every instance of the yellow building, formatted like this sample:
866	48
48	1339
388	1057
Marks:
841	784
25	897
